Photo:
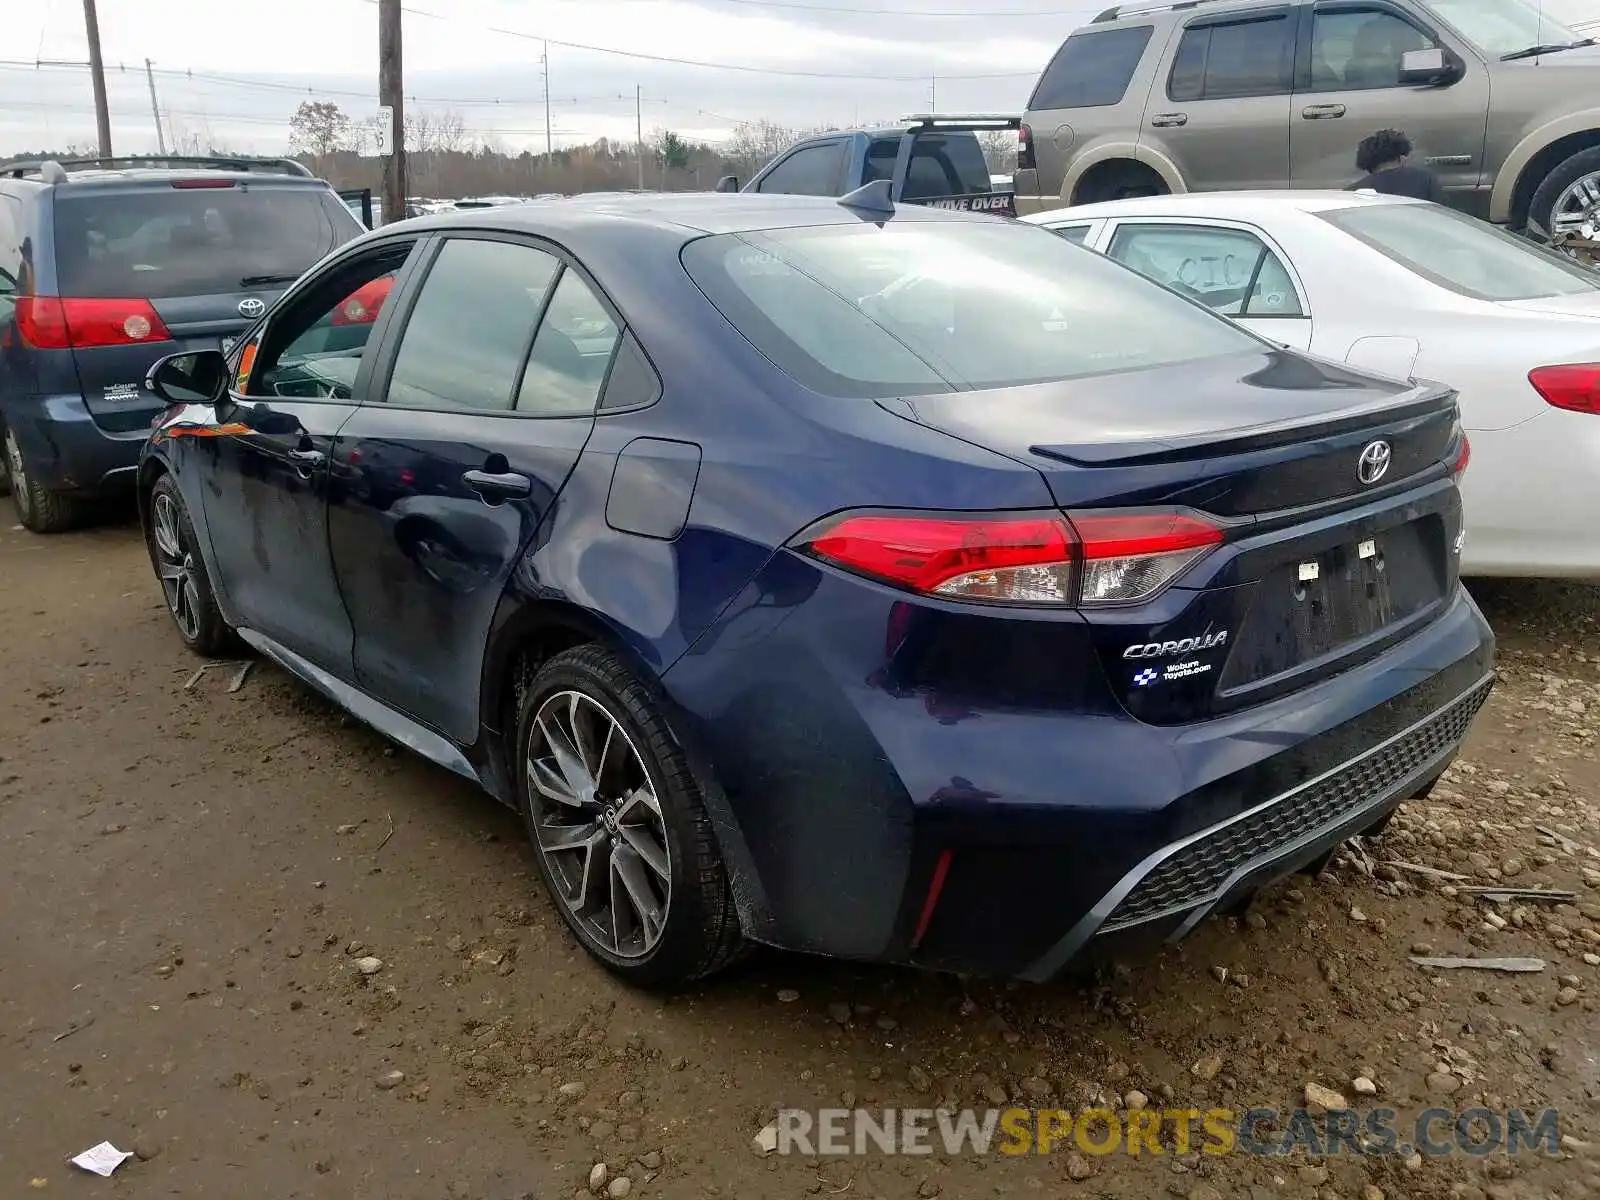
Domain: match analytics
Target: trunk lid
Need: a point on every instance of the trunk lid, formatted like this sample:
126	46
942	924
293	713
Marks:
1320	567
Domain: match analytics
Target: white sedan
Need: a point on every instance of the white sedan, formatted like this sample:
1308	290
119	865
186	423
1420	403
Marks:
1408	289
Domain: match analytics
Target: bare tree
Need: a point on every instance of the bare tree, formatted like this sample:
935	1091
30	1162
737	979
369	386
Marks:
318	127
999	150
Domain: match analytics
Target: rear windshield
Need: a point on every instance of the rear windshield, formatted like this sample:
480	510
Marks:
167	241
1462	253
926	307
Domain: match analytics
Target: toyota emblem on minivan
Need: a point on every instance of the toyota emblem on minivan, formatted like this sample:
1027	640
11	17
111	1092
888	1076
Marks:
251	307
1374	462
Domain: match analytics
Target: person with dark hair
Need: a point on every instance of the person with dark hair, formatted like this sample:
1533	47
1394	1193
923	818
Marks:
1384	156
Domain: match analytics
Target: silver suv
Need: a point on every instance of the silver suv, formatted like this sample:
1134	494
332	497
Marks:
1502	102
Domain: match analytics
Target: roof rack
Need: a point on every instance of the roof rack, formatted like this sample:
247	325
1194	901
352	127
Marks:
963	121
1118	11
19	168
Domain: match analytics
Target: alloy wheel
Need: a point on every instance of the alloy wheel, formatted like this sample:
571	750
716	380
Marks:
1577	209
18	473
597	821
175	563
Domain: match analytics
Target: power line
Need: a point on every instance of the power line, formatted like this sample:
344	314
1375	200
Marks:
703	64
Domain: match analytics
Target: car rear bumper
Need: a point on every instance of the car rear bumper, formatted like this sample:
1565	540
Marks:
67	450
959	833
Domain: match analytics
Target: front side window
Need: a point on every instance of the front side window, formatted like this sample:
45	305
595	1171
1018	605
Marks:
1234	59
923	307
1463	254
1092	69
1230	271
809	171
312	350
466	338
1356	49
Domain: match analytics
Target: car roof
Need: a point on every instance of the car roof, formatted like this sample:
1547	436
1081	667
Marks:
122	175
1220	204
685	215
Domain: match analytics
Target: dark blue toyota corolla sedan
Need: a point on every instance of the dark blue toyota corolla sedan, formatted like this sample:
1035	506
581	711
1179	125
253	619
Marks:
902	586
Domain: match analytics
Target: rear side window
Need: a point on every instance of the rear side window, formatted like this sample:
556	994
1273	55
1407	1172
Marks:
1230	271
809	171
945	165
1232	60
1092	69
165	241
465	340
922	308
570	355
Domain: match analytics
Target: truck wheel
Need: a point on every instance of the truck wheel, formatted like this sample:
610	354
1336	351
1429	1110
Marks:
1568	199
40	510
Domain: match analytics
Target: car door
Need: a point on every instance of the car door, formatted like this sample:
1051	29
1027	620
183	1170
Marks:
483	399
1232	268
1347	87
265	481
1222	113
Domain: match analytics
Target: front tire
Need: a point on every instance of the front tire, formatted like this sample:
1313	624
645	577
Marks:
38	509
175	554
623	841
1568	199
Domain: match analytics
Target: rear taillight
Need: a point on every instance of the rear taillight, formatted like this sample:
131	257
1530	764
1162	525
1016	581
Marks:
1458	467
1025	160
1574	387
57	323
1093	559
361	306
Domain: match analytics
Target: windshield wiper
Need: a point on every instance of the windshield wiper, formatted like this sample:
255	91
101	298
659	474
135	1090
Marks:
263	280
1535	51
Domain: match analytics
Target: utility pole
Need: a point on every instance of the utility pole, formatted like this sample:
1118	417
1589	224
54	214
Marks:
549	146
391	96
933	94
102	114
638	123
155	109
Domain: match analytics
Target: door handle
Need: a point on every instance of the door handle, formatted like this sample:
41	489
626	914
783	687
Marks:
307	461
1169	120
495	486
1322	112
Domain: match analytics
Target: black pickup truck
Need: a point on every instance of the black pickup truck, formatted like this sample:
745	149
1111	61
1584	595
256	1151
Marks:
929	160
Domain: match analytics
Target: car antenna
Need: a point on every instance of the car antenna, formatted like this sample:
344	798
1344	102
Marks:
876	197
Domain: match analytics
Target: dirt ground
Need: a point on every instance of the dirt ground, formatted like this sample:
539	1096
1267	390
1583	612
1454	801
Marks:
191	877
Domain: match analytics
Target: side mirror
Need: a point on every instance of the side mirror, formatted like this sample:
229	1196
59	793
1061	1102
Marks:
728	183
196	377
1432	65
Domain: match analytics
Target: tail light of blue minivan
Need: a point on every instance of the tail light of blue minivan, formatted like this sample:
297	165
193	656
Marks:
1085	559
62	323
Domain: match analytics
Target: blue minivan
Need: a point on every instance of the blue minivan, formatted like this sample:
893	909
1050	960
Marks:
106	266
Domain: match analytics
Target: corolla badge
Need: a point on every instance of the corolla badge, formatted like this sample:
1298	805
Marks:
251	307
1206	641
1373	464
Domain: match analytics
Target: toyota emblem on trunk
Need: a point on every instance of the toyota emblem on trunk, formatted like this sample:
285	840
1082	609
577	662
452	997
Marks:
1374	462
251	307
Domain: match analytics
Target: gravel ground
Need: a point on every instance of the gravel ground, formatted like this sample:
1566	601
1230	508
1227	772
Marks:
247	939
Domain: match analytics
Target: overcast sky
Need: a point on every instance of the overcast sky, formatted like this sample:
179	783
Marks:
891	57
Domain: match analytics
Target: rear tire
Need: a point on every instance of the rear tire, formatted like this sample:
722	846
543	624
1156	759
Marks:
1569	197
38	509
181	570
620	830
1122	180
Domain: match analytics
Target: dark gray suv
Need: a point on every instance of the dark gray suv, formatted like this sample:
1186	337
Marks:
108	265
